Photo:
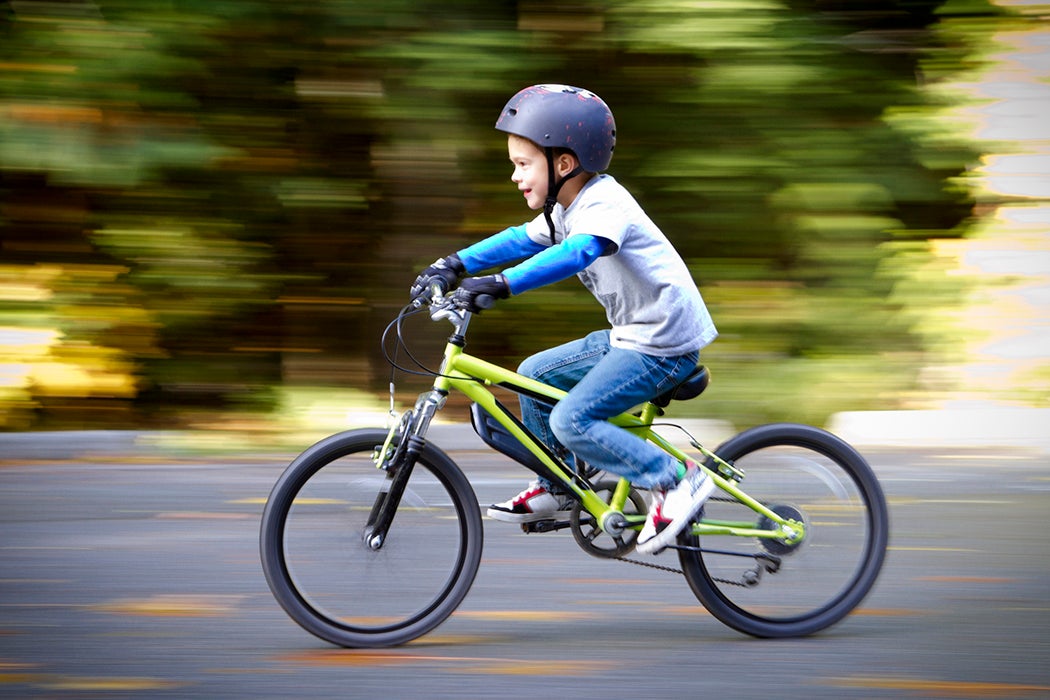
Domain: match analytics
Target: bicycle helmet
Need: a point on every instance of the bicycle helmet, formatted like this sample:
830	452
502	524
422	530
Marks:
562	116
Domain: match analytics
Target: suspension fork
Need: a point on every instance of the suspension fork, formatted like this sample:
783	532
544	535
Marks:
400	464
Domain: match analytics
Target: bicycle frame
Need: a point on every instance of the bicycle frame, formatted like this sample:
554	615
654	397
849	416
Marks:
471	376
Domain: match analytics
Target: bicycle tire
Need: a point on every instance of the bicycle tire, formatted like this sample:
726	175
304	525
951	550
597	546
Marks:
323	572
806	472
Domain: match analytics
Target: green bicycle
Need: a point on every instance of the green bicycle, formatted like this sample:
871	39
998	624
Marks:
373	537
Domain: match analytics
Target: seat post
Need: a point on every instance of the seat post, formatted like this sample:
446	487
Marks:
650	412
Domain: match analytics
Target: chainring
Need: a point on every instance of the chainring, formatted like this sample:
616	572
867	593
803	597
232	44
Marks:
595	541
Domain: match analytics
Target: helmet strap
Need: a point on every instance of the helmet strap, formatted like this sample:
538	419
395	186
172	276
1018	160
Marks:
553	188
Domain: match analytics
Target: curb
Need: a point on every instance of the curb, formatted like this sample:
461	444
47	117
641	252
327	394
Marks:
980	428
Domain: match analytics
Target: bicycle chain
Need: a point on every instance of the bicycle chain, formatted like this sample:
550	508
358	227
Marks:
670	569
650	565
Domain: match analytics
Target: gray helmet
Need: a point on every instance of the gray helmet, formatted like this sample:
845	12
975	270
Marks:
562	116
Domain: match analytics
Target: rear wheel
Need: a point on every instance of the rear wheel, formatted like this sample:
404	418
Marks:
343	586
772	588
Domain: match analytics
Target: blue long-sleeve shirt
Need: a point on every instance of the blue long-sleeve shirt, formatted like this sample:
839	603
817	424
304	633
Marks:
541	265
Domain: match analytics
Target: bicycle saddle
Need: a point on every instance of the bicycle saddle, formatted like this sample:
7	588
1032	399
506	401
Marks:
692	387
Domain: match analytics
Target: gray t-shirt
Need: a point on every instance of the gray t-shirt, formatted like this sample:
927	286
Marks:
647	291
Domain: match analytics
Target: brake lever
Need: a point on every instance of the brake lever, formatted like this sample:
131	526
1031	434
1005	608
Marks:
442	307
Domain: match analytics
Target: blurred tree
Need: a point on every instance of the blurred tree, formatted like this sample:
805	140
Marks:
235	194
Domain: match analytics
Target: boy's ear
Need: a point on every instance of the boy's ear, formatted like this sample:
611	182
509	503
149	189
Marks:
565	163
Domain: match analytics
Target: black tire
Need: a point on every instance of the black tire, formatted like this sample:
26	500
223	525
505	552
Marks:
793	469
324	574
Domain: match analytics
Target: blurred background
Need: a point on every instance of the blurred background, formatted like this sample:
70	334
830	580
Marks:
210	209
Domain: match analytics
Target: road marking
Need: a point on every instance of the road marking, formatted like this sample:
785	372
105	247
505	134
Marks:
102	683
912	501
967	579
15	673
966	501
498	666
960	689
174	606
678	610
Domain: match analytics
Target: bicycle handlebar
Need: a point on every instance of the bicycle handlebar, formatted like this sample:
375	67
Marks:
443	304
443	307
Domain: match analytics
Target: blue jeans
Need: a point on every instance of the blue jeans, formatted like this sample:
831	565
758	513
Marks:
602	382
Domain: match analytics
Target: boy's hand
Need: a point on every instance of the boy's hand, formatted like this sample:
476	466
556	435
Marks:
470	289
445	272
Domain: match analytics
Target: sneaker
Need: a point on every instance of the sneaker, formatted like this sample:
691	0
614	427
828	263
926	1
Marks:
672	510
532	504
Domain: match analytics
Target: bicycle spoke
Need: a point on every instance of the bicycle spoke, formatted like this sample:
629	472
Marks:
769	587
332	578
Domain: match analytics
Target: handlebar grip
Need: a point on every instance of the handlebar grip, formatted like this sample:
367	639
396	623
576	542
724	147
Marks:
484	301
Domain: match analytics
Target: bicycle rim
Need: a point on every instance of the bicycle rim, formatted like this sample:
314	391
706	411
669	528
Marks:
807	474
330	581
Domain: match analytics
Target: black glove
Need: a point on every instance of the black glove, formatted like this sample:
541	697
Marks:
478	293
445	272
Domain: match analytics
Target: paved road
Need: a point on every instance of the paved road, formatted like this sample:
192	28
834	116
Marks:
139	577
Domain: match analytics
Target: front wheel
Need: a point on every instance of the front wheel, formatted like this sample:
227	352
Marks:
339	584
772	588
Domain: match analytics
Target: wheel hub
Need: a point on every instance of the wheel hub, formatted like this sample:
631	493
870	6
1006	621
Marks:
785	546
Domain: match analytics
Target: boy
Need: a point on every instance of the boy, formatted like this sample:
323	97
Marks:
559	139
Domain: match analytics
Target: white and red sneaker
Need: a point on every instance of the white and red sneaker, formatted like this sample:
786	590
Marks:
672	510
532	504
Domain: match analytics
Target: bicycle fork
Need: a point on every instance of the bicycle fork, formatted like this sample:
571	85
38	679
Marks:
397	457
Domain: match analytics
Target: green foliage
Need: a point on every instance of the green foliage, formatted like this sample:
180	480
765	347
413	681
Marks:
268	176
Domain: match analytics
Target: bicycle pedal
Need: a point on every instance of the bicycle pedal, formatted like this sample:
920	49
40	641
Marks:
545	525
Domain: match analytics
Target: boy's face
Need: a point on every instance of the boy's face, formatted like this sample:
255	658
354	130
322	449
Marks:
530	170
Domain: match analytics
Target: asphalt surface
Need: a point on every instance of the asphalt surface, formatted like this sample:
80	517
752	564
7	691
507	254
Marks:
135	574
